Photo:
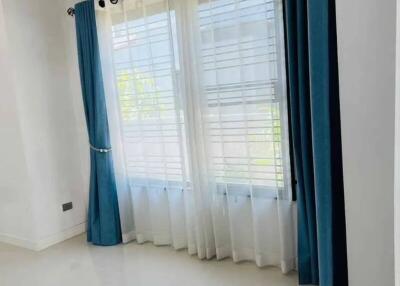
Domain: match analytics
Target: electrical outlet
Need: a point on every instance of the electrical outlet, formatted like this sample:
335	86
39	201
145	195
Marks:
67	206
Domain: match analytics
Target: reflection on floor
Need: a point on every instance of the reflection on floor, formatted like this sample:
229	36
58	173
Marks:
75	263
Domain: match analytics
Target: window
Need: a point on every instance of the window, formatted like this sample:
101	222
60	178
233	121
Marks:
220	62
240	68
201	125
151	117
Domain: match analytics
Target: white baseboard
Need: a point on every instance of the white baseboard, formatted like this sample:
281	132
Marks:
61	236
17	241
46	241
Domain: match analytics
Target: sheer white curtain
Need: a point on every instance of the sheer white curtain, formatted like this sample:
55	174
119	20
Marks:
197	108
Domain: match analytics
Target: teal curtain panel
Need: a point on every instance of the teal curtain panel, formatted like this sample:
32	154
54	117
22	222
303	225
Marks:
103	215
312	68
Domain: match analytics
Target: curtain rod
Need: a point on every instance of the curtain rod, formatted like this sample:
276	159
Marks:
102	4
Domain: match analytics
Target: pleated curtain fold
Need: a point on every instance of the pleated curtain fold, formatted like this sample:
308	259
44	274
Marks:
103	215
198	120
315	121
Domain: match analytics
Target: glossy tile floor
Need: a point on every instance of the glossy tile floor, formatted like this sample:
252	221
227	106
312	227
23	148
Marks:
75	263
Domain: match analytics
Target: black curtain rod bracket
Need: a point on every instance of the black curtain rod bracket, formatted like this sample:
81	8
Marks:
102	4
71	11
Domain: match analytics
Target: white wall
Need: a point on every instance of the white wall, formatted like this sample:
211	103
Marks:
366	40
70	48
50	118
15	197
397	154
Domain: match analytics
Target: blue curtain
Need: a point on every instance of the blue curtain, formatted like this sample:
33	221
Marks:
312	67
103	215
